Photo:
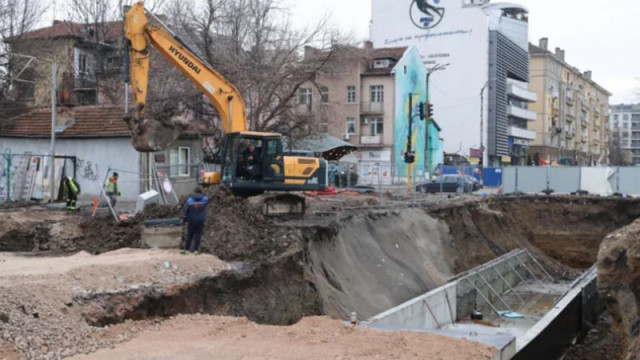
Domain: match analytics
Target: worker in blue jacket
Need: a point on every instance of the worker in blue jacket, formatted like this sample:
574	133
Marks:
194	213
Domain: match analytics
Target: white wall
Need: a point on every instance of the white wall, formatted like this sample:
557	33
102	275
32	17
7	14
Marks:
460	39
95	157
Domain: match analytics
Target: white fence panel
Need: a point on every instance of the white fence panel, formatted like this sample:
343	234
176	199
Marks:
629	181
564	180
509	180
597	180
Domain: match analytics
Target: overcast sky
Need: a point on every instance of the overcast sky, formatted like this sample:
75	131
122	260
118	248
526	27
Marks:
597	35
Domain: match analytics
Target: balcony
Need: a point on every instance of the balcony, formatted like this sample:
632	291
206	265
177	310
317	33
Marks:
555	112
584	106
569	132
570	118
569	97
584	122
521	113
371	140
521	133
521	93
372	108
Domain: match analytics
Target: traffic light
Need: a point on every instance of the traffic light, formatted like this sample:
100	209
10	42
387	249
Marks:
409	157
429	111
421	111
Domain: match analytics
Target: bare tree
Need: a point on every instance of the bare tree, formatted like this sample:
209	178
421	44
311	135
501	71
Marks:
19	16
254	46
618	155
16	18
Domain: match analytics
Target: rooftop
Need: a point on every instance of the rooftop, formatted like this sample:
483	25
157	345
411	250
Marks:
109	31
535	50
82	121
394	54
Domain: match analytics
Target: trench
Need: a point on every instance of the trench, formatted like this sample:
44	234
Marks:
369	261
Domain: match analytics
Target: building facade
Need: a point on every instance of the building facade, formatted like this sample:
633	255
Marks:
625	127
480	98
366	103
572	111
87	63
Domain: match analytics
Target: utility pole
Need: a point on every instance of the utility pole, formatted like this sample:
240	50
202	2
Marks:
409	157
52	150
481	162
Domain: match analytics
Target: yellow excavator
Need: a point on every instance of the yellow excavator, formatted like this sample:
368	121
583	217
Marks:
252	163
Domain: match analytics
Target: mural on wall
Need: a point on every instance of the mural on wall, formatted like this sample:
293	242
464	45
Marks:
410	78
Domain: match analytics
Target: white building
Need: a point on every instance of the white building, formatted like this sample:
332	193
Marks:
483	50
91	143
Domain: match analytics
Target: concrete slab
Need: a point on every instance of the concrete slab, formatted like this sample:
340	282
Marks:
165	237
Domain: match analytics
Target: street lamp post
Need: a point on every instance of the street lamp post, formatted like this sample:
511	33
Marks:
430	71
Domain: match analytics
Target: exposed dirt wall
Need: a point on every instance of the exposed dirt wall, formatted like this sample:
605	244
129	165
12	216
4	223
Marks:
619	285
374	261
568	230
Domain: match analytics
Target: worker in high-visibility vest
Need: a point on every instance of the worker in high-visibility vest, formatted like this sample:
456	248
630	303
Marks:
72	190
112	189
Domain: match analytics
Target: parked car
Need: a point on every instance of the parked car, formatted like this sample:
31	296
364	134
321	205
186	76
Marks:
476	183
449	184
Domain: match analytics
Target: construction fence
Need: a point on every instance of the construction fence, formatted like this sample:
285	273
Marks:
26	177
565	180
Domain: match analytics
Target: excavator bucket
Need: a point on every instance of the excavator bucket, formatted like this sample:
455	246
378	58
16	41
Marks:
150	134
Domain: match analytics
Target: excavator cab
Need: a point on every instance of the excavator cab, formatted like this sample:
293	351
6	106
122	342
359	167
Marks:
252	162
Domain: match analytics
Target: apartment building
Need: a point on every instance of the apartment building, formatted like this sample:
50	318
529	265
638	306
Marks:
481	95
572	110
625	127
364	99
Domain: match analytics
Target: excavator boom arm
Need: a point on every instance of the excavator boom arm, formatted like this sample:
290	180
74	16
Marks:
141	33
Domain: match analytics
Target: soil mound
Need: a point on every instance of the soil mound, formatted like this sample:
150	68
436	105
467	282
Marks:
618	279
103	234
237	230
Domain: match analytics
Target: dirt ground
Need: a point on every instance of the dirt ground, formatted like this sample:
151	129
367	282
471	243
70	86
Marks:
326	263
40	314
209	337
601	343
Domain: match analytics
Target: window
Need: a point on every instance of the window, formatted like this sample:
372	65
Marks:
377	93
381	64
82	63
306	96
351	125
351	94
179	159
625	117
615	117
324	94
376	126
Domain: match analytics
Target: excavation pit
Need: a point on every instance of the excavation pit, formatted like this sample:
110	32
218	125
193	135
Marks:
360	259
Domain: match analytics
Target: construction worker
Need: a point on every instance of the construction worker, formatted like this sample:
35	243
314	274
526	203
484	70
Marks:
112	189
194	213
72	190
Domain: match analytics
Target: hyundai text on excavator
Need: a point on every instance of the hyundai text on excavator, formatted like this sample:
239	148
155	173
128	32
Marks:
272	171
